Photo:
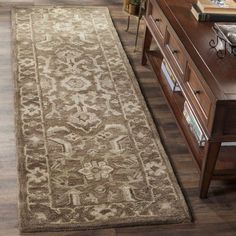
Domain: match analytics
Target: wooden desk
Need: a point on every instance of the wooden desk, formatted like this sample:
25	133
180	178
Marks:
207	83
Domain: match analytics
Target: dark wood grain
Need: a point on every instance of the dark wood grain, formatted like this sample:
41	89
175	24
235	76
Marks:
215	114
213	216
219	74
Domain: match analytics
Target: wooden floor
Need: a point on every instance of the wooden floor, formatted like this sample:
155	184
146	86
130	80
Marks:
213	216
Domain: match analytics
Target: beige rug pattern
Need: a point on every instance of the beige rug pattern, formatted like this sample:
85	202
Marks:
89	153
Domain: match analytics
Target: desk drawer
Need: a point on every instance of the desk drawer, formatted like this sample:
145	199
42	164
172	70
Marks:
158	20
199	95
175	52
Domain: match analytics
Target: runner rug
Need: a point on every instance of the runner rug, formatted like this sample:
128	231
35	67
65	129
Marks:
89	155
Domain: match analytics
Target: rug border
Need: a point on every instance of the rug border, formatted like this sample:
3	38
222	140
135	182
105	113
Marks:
16	113
142	221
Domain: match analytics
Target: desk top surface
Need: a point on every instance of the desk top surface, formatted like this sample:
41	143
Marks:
219	74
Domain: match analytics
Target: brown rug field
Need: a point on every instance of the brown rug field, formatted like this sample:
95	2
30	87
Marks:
89	155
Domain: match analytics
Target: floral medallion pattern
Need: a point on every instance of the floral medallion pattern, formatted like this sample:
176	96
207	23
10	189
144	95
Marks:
96	171
89	154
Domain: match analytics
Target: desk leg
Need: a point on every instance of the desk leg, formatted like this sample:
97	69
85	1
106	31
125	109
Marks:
208	167
146	45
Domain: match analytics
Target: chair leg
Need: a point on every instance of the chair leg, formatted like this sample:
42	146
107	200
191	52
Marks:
146	45
128	23
137	33
208	167
140	14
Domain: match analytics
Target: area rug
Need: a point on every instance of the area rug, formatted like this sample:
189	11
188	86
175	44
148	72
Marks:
89	155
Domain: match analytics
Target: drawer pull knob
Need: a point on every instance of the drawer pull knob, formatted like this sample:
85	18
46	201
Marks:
157	20
175	51
196	92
